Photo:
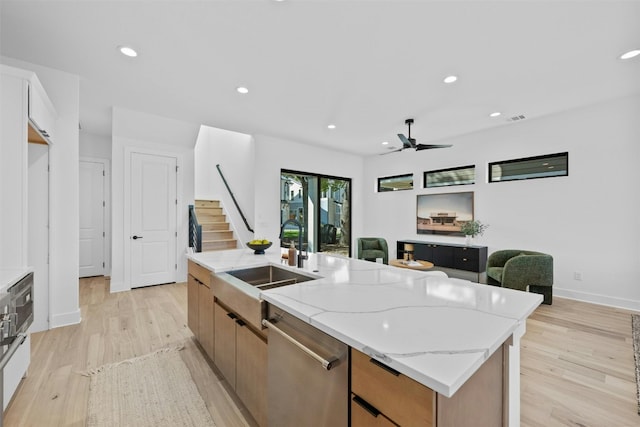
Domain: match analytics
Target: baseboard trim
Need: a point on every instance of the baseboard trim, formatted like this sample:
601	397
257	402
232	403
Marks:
597	299
65	319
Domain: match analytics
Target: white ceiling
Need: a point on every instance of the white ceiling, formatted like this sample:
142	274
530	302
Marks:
364	66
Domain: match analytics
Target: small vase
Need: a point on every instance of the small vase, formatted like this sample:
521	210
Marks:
468	240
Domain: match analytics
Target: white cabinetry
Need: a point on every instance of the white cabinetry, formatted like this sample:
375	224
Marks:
27	115
13	171
17	87
42	115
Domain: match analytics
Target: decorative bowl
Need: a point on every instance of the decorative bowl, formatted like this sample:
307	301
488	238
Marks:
259	249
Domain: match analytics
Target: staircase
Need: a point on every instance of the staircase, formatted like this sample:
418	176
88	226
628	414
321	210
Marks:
216	234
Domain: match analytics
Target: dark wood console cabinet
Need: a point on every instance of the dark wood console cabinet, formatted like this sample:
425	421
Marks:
472	259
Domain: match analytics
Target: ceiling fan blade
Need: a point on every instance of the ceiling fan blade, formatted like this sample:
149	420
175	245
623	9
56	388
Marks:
392	151
430	146
406	143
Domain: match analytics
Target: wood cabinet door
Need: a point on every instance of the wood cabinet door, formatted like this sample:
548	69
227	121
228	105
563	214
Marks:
251	372
401	399
192	306
225	343
205	319
363	415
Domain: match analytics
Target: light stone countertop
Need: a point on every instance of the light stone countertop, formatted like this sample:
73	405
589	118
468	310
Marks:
434	329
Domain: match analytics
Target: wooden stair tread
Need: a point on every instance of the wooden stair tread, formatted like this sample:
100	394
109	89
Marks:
216	231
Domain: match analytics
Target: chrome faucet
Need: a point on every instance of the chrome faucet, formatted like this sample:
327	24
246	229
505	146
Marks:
301	257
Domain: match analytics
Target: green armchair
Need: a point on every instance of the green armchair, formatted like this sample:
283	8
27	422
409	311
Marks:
517	269
371	248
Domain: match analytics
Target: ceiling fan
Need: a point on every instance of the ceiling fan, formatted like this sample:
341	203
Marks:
408	142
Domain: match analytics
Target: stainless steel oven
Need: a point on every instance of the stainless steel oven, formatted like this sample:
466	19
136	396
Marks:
16	315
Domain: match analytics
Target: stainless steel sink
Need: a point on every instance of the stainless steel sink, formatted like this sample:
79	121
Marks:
269	277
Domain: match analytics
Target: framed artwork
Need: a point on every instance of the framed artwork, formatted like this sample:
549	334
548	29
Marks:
443	213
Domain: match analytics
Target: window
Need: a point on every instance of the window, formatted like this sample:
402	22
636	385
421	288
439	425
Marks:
462	175
320	204
530	167
395	183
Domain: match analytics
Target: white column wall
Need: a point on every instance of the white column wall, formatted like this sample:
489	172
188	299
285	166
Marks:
233	151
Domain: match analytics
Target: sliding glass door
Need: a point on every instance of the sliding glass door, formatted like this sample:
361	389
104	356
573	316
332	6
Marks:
320	205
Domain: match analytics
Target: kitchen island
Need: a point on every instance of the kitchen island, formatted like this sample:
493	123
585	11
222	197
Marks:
436	331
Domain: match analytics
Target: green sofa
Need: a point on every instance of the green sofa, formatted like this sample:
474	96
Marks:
519	269
371	248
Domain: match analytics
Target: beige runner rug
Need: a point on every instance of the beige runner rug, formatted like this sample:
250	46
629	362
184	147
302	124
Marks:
635	335
151	390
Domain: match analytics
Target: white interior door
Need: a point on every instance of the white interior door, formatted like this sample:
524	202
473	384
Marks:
38	230
153	219
92	227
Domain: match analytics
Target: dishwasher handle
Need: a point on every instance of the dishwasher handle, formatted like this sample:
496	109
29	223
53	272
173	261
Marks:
326	364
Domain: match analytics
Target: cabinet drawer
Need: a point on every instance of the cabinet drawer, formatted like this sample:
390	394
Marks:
363	415
200	273
403	400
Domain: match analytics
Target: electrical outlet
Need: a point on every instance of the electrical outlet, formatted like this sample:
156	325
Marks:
577	275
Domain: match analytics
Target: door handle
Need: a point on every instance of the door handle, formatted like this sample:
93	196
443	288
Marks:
326	363
136	237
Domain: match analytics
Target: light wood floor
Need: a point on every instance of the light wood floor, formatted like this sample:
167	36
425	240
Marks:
577	360
577	367
114	327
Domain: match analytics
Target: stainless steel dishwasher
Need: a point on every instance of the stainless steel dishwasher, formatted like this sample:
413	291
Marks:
308	374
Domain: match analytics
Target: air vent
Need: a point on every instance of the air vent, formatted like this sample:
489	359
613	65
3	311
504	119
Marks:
516	118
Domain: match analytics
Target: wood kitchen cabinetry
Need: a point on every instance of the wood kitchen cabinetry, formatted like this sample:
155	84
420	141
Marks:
461	258
241	356
378	389
381	396
226	322
200	307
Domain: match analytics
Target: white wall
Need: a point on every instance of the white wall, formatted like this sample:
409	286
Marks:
273	154
233	151
587	221
96	146
149	134
64	91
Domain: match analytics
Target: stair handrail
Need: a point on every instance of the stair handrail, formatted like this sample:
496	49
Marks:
235	202
195	231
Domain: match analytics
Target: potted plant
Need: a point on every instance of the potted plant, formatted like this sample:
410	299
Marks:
472	228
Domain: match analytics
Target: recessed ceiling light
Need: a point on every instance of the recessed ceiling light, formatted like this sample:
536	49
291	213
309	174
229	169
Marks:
450	79
331	126
128	51
385	143
495	114
242	90
630	54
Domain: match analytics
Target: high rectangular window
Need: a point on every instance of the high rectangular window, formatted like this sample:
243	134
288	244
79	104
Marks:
453	176
395	183
546	166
